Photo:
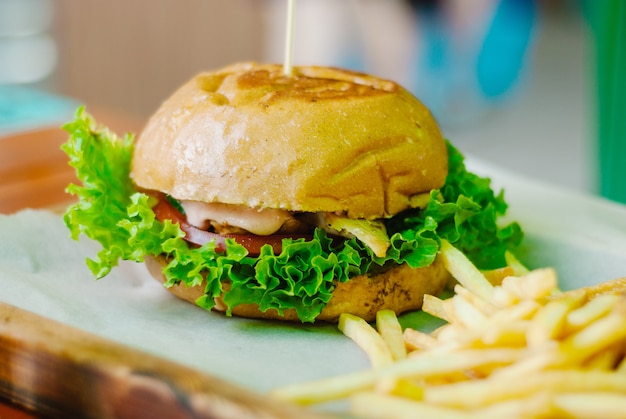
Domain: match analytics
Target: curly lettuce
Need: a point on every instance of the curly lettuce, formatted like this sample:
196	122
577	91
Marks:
111	211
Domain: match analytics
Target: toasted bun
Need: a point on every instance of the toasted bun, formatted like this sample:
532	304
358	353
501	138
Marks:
399	289
322	140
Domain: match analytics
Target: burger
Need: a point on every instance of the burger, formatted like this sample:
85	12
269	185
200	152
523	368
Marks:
294	197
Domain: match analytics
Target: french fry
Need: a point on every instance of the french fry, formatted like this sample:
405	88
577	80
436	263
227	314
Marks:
591	405
513	262
477	394
466	313
536	405
534	285
496	276
379	406
367	338
606	360
453	336
549	322
505	297
414	339
524	310
485	307
535	362
390	330
465	272
405	387
510	334
593	310
507	325
427	365
376	405
593	339
326	389
435	307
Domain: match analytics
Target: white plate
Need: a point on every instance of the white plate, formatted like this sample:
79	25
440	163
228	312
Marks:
43	270
582	236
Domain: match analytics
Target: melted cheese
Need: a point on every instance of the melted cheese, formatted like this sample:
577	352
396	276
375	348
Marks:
262	222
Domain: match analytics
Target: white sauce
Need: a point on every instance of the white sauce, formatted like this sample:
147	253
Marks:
262	222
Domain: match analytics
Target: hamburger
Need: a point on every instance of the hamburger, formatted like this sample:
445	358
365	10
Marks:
294	197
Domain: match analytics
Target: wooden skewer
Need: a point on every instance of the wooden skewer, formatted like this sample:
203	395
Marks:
60	371
288	64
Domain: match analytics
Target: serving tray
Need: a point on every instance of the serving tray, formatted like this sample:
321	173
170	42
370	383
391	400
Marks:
125	329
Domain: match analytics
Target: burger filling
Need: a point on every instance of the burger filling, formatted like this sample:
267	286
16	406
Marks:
233	219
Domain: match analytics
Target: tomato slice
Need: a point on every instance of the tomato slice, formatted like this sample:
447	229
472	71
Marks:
164	210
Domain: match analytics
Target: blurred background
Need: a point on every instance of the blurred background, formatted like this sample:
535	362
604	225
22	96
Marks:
510	81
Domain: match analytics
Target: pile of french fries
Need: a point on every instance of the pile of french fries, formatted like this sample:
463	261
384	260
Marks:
512	346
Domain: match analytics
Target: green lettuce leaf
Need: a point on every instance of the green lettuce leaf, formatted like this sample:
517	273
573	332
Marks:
302	277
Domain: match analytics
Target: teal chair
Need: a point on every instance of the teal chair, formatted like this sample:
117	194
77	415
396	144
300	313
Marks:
607	20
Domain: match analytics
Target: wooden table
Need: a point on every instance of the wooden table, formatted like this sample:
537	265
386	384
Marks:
33	169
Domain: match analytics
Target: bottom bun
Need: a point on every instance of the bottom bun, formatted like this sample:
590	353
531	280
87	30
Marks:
399	289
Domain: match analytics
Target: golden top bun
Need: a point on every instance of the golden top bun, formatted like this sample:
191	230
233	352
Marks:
400	289
324	139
